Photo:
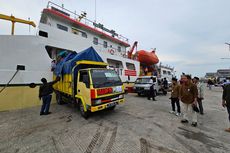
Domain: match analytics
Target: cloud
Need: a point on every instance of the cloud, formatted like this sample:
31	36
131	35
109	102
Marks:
188	35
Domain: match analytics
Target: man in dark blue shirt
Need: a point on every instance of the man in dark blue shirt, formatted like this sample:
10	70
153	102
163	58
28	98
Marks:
45	93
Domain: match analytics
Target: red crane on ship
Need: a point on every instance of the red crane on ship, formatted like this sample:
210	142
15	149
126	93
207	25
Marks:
143	56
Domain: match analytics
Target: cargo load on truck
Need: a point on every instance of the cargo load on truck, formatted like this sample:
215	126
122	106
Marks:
86	81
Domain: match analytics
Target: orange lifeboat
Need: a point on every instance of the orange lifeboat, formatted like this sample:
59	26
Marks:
148	58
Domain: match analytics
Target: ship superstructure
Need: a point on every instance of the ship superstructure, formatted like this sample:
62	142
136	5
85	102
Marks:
59	30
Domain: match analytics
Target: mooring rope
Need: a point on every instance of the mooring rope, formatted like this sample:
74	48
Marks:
9	82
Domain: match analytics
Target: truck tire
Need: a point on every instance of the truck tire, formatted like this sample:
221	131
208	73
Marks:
139	94
59	98
82	111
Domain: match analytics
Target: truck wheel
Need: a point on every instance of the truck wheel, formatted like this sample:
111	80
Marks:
82	111
59	98
139	94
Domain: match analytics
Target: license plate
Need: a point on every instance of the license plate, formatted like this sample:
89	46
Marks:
111	104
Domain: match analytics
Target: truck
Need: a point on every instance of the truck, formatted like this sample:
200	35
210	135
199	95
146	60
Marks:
143	83
86	82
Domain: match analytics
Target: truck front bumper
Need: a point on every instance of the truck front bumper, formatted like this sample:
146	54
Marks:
107	105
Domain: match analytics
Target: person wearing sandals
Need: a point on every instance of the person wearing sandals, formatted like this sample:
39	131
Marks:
188	97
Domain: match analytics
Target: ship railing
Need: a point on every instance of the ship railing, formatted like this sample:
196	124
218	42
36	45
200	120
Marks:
85	21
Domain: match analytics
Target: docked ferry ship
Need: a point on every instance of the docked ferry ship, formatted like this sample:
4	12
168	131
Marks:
26	59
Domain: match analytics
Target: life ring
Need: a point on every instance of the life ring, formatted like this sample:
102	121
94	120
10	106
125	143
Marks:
111	51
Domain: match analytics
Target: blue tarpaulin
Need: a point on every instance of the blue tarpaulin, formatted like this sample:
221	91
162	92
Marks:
66	65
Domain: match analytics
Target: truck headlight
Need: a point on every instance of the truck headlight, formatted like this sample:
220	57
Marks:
98	101
147	88
134	88
121	96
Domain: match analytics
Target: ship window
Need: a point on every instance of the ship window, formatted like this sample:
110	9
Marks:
119	48
83	34
130	66
105	44
114	63
59	26
164	72
169	73
43	34
95	40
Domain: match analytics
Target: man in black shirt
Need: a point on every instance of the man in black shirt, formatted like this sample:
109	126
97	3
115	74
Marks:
226	100
152	92
45	93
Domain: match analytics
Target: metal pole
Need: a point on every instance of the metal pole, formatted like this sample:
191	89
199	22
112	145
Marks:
12	29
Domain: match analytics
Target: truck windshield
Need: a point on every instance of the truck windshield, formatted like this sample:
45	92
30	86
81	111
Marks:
145	80
105	78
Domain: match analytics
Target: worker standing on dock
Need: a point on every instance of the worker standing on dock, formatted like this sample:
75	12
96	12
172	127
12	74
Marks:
226	100
200	97
45	91
152	92
188	96
175	97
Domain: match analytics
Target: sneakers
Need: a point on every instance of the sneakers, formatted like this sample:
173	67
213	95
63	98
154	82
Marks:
47	113
172	112
178	114
194	124
184	121
227	130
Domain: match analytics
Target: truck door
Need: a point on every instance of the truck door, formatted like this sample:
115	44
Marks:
83	87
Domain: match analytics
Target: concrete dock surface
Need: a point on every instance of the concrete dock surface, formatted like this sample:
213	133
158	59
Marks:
137	126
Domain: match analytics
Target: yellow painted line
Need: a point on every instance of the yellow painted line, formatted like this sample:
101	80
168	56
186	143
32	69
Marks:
91	63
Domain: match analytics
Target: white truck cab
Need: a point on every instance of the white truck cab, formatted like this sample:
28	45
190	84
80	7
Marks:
143	83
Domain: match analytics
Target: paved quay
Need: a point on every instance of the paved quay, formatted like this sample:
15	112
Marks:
137	126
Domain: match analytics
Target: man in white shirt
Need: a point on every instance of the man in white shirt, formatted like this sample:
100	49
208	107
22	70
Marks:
200	88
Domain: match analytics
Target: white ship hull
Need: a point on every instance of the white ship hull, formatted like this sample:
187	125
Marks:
35	53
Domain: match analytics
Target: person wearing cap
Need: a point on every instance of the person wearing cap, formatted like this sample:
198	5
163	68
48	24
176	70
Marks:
226	101
45	93
200	96
188	97
175	97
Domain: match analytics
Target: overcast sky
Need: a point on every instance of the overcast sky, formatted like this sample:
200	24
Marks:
188	34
